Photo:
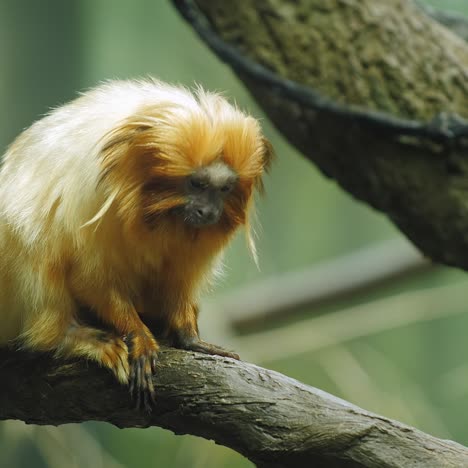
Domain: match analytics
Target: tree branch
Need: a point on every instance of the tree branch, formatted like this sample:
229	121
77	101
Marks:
327	87
273	420
283	296
354	322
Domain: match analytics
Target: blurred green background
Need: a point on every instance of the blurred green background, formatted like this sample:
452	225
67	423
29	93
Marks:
416	372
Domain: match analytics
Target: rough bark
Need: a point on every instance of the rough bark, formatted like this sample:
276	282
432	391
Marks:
345	81
273	420
382	55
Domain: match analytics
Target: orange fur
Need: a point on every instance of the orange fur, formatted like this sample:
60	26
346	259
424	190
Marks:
109	176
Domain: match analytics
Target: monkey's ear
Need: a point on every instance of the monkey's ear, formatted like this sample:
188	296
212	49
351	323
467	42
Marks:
268	156
268	153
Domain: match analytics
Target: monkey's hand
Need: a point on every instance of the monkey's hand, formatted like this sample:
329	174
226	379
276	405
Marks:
193	343
142	352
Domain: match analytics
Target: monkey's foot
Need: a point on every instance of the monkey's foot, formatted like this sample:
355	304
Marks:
143	353
101	346
195	344
114	355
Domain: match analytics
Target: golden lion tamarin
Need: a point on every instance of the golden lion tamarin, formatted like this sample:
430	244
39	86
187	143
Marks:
119	203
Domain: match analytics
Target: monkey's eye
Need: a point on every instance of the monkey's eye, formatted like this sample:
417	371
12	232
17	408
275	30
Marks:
198	184
226	188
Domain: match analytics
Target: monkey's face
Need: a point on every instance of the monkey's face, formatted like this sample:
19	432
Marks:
206	191
195	165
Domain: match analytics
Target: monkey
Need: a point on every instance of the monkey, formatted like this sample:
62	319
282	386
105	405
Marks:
121	202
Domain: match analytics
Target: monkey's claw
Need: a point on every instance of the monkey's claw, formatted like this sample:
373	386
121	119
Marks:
143	357
141	381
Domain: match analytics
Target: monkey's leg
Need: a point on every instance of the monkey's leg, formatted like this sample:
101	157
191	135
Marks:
121	315
184	329
62	334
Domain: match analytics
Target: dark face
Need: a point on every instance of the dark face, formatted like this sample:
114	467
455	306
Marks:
206	189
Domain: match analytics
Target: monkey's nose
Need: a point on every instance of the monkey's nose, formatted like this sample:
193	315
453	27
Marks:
206	215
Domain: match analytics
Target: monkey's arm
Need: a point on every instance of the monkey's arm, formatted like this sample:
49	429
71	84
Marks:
175	317
183	327
118	312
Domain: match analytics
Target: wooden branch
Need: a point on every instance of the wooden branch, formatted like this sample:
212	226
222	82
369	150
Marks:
357	52
329	282
273	420
353	85
353	322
